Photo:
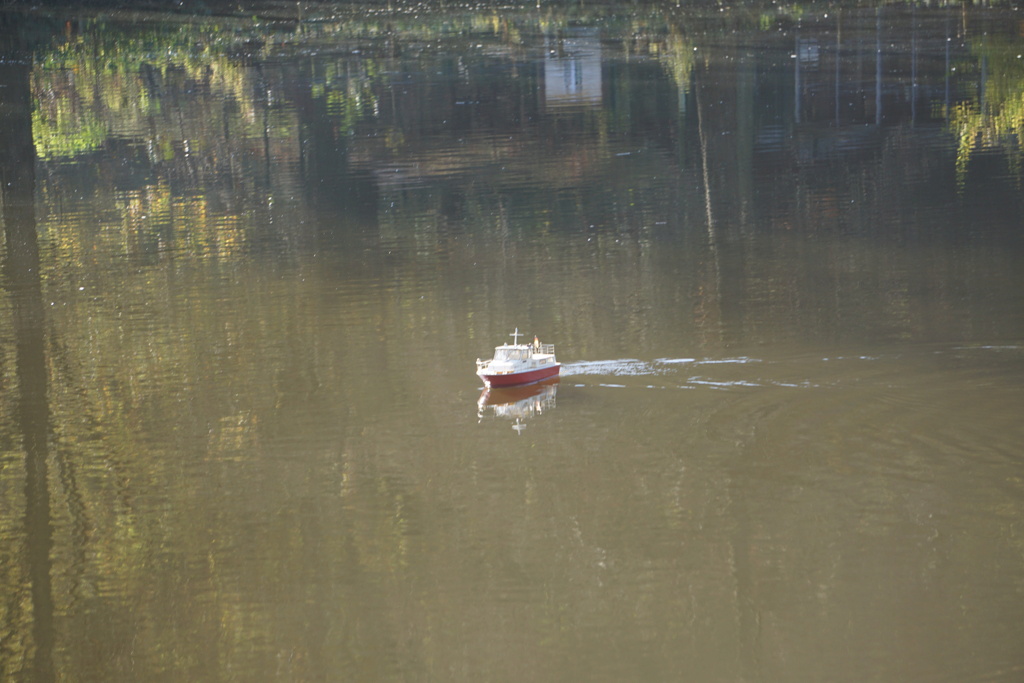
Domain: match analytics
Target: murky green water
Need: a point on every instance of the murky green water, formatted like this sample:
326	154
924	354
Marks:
249	264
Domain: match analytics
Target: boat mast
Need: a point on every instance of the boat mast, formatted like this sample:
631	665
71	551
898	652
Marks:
515	337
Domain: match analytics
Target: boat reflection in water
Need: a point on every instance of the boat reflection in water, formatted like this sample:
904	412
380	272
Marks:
518	403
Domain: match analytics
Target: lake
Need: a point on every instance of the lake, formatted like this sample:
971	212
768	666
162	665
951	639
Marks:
250	260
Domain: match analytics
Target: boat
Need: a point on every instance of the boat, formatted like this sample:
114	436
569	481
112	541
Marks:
516	363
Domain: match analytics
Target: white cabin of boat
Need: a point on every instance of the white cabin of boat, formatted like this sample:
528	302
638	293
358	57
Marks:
518	358
524	352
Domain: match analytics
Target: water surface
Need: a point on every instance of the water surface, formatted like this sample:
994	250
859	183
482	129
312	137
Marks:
249	264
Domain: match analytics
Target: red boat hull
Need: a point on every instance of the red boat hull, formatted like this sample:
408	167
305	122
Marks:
515	378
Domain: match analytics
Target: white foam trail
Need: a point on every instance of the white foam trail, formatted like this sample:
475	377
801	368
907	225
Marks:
638	368
670	370
730	361
722	384
626	366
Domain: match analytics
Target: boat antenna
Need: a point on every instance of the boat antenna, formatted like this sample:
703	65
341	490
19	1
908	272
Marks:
515	337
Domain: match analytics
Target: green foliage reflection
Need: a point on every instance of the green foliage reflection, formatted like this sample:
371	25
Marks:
101	81
995	119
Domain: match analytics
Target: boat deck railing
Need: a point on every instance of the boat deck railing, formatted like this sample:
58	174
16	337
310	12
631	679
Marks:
547	348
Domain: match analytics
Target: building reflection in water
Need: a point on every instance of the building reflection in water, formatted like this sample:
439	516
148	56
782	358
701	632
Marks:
572	70
518	403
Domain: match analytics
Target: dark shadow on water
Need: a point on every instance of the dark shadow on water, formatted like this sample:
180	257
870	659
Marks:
17	178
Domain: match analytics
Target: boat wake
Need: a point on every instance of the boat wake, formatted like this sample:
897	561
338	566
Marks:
686	373
744	372
641	368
